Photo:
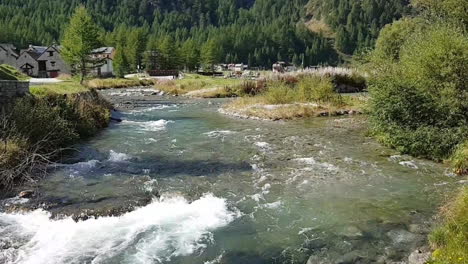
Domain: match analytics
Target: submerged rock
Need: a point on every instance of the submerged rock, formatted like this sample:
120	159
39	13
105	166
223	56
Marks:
401	236
352	232
350	258
419	257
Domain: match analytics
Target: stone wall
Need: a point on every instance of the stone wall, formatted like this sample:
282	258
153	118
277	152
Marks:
9	90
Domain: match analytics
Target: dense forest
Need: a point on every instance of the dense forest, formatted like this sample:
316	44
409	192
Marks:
188	32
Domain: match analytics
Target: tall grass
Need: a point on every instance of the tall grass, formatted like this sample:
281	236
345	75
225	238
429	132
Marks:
450	239
35	130
117	83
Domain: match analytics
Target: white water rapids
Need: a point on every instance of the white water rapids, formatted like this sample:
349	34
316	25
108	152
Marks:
155	233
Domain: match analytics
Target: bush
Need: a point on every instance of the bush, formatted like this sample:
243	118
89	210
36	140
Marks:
450	239
250	88
459	159
318	89
419	104
36	128
280	93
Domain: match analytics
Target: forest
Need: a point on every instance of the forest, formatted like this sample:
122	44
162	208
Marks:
190	32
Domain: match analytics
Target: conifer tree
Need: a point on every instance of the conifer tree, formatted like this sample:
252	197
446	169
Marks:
80	38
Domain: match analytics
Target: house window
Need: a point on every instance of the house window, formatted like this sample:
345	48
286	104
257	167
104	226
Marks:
51	53
52	63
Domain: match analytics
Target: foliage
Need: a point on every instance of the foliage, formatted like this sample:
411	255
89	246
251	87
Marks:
193	82
8	72
257	32
357	23
120	63
36	128
280	93
459	159
450	239
66	87
80	38
318	89
117	83
419	103
392	37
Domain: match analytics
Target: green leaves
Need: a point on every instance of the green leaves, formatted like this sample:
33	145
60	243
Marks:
80	37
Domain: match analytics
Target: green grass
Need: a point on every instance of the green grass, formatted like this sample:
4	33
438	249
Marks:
193	82
117	83
305	97
450	239
8	72
72	86
66	87
459	159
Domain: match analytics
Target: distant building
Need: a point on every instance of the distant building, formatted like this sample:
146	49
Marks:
8	54
282	66
42	62
105	58
237	67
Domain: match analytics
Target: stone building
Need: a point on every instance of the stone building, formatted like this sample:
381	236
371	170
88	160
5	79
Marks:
8	54
42	62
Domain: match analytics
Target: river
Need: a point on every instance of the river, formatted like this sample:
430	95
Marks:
207	188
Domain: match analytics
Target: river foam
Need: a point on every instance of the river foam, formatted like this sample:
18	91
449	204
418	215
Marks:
155	233
151	126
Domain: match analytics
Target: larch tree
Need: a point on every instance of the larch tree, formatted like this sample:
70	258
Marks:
80	38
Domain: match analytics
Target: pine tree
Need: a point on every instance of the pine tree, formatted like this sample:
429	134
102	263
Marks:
80	38
121	65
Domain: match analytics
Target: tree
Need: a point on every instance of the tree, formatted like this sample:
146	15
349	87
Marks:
80	38
190	55
121	65
209	54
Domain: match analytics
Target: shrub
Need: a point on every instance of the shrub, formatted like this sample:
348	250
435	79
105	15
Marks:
459	159
280	93
450	239
419	104
250	88
36	128
318	89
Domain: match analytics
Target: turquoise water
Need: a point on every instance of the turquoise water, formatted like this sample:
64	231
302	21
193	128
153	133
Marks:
225	190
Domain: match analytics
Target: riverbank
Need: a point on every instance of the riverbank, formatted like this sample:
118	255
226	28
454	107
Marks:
37	130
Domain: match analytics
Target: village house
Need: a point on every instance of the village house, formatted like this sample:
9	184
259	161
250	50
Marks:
281	67
42	62
8	54
104	57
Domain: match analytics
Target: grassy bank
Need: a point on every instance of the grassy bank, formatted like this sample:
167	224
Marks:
35	130
71	86
207	86
450	239
293	97
8	72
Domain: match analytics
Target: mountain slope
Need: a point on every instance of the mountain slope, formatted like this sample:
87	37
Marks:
257	32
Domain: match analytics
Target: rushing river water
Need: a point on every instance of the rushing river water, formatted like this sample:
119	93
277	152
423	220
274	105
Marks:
226	190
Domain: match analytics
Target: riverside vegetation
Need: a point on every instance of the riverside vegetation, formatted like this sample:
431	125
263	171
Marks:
419	102
35	131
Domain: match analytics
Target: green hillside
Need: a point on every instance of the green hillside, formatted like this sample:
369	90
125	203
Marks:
255	32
